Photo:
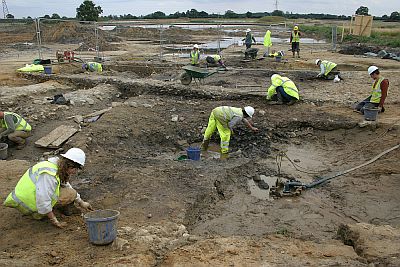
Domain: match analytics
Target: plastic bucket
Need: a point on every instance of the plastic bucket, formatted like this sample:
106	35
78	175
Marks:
47	70
102	226
193	153
3	151
370	114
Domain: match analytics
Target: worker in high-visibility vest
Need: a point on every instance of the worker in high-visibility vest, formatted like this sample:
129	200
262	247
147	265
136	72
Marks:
224	118
249	39
93	67
379	92
282	90
328	69
214	60
46	184
195	56
15	128
295	40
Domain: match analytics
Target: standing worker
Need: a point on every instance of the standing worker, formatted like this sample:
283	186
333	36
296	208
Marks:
46	184
224	118
295	40
92	67
214	59
379	92
282	90
15	128
328	69
195	56
267	42
249	39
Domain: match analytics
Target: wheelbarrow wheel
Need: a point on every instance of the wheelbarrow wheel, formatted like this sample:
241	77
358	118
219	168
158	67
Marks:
186	78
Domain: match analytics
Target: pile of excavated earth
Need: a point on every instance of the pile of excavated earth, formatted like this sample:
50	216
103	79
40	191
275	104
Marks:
208	212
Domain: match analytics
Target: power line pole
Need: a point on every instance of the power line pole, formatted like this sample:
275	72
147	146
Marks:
276	4
5	9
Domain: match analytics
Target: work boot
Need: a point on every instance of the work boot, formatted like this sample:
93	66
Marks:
263	185
204	145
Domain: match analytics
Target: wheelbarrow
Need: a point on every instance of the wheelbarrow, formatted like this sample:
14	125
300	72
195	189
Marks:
195	73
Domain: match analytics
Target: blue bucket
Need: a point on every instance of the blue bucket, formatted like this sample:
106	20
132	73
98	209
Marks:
193	153
47	69
102	226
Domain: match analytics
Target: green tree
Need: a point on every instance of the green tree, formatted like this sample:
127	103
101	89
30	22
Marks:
278	13
55	16
230	14
87	11
362	10
9	16
46	16
395	16
249	14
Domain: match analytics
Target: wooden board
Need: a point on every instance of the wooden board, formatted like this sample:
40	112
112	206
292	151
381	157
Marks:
56	137
97	113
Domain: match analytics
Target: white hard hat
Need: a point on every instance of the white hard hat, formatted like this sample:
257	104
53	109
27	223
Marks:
317	60
371	69
249	110
195	46
76	155
273	77
248	30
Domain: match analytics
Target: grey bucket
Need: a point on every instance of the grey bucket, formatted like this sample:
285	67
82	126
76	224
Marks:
3	151
370	114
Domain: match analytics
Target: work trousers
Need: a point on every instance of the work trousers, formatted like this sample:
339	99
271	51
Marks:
281	95
367	104
224	132
17	136
67	196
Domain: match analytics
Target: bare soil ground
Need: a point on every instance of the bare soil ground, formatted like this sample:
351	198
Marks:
183	213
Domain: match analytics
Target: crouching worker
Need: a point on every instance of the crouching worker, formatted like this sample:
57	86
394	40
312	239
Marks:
46	184
224	119
282	91
212	61
15	128
92	67
328	69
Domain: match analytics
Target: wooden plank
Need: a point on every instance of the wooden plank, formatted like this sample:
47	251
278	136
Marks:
64	137
56	137
97	113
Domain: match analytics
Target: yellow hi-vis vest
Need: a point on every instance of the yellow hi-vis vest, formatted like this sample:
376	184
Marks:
225	114
289	87
23	197
216	58
328	66
376	91
94	66
21	124
194	55
295	37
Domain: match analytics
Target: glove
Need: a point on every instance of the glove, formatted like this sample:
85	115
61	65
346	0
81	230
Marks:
58	224
84	205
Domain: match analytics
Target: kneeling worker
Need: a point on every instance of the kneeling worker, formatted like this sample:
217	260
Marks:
214	59
46	184
92	67
15	128
379	92
282	90
328	69
224	118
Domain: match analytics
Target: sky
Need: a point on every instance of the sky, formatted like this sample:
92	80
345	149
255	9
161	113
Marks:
37	8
